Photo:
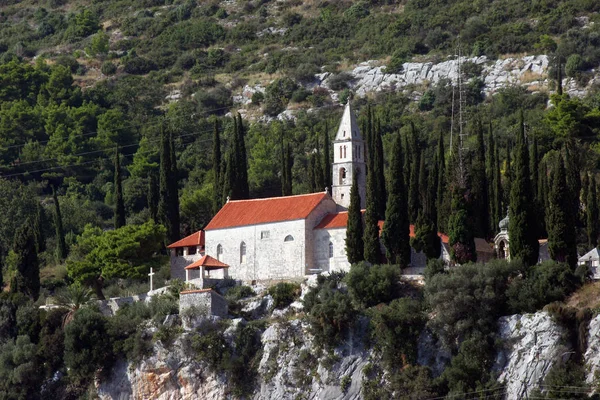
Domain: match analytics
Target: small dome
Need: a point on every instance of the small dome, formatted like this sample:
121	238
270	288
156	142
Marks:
503	225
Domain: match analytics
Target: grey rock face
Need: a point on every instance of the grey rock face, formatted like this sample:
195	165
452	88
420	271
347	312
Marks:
533	344
592	353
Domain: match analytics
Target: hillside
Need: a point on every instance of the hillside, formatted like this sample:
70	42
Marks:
127	125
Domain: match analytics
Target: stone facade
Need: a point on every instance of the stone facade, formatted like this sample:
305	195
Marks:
279	250
178	264
207	300
330	250
349	155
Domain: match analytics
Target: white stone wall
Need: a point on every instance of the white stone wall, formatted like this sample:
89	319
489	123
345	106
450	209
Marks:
325	207
267	258
339	261
178	264
341	187
209	301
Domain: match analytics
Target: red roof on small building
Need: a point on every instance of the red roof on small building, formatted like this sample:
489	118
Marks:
340	220
262	211
195	239
207	262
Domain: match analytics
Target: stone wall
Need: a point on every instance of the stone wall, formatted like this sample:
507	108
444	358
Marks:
326	207
178	264
111	306
203	299
339	261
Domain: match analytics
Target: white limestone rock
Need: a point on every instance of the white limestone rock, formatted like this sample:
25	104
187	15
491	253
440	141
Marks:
533	345
430	353
592	353
258	307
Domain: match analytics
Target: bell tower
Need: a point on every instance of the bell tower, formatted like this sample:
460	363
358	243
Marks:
349	154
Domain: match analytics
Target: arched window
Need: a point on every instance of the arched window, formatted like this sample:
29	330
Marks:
288	238
342	175
242	253
219	252
330	250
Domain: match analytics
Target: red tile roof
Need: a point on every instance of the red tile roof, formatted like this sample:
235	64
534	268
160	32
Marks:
263	211
207	262
340	220
195	239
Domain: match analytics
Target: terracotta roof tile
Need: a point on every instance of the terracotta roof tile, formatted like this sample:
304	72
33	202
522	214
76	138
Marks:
207	262
263	211
340	220
195	239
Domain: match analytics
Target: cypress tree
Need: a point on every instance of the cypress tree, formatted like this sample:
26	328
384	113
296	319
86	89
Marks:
494	205
413	189
534	162
354	230
319	183
585	186
38	230
407	162
592	213
311	174
559	78
216	167
242	161
229	180
561	230
396	230
153	196
26	278
460	232
480	188
119	203
522	226
501	206
61	245
379	175
327	177
441	183
168	203
371	235
508	176
289	162
283	167
573	180
542	197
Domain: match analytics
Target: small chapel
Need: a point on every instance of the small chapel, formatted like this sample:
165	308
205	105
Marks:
287	237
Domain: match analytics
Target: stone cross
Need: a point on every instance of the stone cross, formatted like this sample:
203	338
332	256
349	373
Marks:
151	274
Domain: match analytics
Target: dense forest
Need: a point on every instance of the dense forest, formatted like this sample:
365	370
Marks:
100	167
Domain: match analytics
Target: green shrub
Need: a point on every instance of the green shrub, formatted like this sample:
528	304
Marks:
395	330
240	292
257	98
371	285
108	68
345	383
340	81
284	294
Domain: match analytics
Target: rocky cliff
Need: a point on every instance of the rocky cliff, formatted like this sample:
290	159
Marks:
291	367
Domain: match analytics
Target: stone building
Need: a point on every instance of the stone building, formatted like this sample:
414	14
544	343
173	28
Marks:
502	243
293	236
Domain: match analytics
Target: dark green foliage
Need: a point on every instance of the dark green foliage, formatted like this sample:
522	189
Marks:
354	230
119	203
236	175
61	246
372	285
287	162
330	311
560	220
469	299
413	186
441	183
20	376
239	292
395	235
153	194
426	237
26	278
327	176
216	168
592	213
479	188
541	284
434	267
168	203
460	233
395	329
39	223
372	250
378	173
284	293
87	345
242	160
522	226
564	379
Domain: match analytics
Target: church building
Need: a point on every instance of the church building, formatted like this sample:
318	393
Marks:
287	237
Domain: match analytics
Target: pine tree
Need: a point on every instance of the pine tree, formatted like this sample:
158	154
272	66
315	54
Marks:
119	203
354	230
216	167
396	230
522	230
153	196
61	245
26	277
327	177
561	230
592	213
413	189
